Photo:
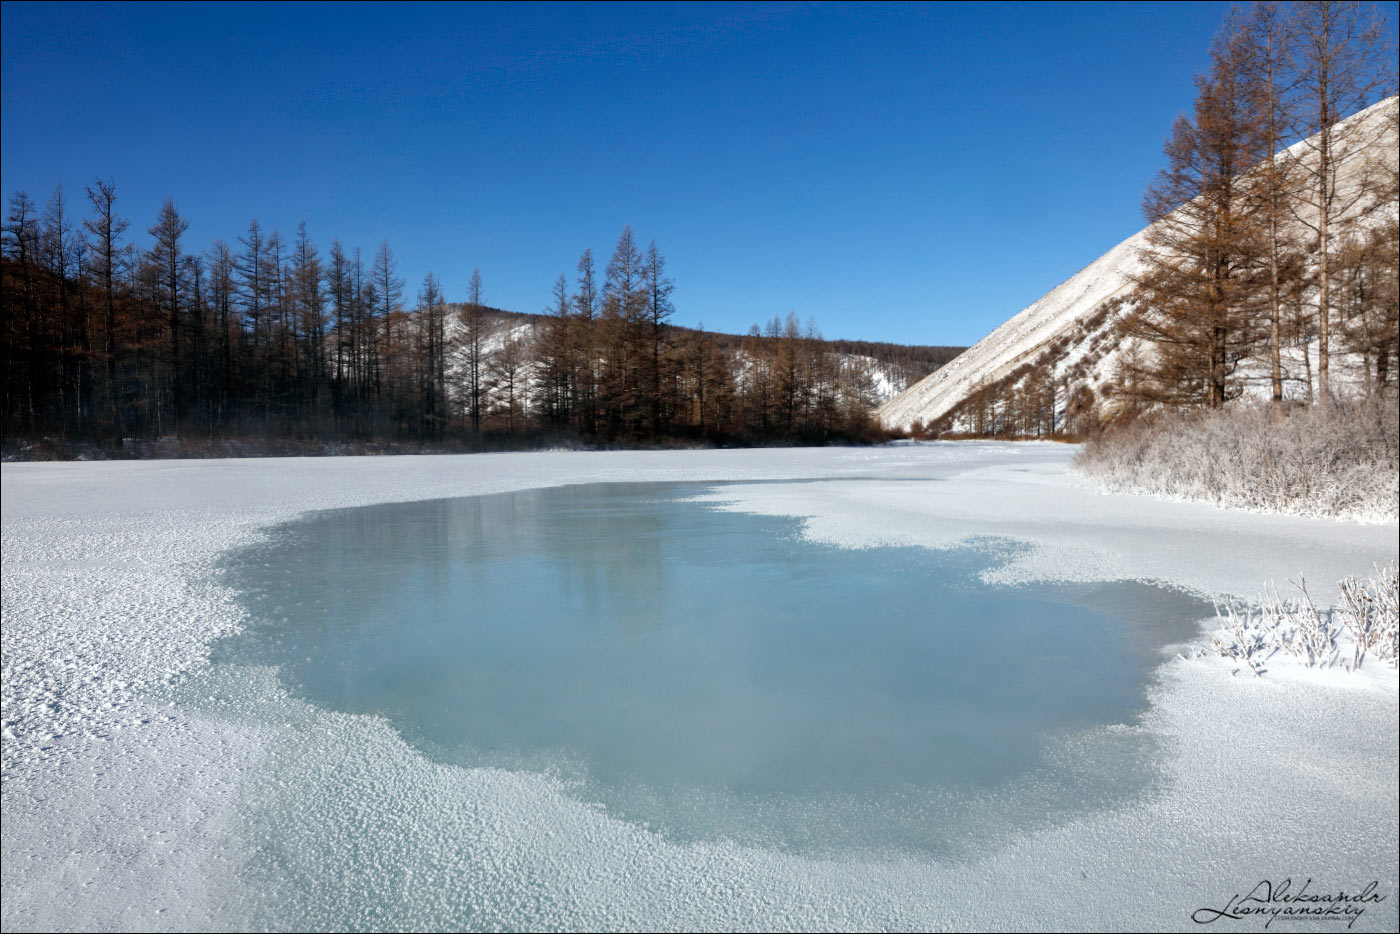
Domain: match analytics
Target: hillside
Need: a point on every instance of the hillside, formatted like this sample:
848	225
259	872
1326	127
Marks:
890	368
1058	355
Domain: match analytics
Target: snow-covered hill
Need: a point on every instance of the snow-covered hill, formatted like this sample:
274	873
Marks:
880	379
1066	341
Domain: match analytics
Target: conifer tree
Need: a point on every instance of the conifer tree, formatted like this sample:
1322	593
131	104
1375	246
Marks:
388	292
105	229
166	258
1341	61
228	333
25	388
558	368
473	321
309	317
1196	302
432	366
586	347
659	309
624	323
1269	32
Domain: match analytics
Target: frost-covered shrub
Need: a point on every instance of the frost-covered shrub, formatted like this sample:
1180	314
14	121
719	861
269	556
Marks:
1368	611
1247	638
1341	460
1302	630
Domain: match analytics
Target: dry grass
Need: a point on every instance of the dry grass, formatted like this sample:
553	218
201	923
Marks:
1340	461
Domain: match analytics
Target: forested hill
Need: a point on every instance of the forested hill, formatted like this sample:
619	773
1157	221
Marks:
893	367
114	345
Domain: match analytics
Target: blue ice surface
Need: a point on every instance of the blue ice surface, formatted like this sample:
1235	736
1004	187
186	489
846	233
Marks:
714	675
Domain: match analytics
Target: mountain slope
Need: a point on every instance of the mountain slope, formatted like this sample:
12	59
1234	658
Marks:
1063	348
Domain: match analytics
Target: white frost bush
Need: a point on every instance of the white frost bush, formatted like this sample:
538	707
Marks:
1341	460
1368	613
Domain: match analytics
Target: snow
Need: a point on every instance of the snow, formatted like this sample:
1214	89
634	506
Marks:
129	804
885	383
497	334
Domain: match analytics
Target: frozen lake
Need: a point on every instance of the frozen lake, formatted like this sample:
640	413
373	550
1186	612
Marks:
712	675
172	761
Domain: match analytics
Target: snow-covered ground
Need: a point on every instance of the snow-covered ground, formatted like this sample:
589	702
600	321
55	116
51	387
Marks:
130	804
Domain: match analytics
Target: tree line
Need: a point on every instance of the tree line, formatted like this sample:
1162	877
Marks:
267	337
1269	262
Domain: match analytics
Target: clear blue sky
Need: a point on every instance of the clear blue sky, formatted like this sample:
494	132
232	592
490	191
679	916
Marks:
903	173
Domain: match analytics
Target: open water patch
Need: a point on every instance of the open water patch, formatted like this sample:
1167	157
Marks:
714	675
